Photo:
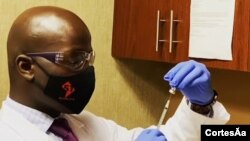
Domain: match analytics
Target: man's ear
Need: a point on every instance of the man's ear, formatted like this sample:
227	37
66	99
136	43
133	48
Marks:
25	66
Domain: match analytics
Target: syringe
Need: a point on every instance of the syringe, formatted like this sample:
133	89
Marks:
172	92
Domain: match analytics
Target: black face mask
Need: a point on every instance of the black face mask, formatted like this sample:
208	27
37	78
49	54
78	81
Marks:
74	92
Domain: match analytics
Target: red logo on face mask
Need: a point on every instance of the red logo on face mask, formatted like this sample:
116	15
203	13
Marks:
68	88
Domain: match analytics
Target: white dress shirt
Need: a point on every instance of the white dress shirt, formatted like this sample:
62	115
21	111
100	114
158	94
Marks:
39	119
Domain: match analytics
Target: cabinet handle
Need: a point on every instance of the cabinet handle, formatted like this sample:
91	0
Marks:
171	31
158	22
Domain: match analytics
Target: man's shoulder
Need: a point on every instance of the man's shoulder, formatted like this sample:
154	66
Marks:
84	115
87	117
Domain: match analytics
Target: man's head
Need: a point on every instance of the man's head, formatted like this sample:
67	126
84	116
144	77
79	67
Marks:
47	46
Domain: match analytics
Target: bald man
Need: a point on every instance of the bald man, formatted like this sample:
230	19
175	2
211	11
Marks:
52	78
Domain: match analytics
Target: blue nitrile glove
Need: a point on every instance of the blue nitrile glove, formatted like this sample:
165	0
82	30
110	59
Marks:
193	80
151	135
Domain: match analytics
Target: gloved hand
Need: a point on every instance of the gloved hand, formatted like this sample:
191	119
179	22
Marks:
151	135
193	80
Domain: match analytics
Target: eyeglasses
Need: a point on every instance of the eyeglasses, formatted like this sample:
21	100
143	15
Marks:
70	59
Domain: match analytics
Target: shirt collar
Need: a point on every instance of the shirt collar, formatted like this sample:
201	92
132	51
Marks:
41	120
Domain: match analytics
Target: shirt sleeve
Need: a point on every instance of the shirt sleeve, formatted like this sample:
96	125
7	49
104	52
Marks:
185	124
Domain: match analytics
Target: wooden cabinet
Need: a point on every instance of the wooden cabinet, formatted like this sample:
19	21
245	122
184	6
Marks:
135	29
141	30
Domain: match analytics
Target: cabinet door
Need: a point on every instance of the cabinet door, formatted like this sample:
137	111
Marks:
240	40
239	43
177	30
135	30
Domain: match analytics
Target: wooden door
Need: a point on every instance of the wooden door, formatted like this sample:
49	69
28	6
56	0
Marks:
177	50
135	30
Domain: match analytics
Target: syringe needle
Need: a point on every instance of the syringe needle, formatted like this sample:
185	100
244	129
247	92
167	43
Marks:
164	112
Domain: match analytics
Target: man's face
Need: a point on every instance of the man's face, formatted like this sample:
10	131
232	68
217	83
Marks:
47	41
63	38
63	49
